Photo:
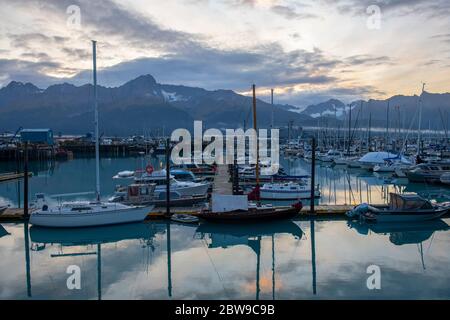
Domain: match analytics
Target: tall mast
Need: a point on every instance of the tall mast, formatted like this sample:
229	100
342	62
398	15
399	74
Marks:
255	126
97	153
419	138
387	125
271	92
349	128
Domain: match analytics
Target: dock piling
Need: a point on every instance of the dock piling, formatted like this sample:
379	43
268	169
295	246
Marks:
313	176
25	182
168	178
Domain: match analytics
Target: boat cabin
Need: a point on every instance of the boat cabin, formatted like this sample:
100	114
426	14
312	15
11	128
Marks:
408	202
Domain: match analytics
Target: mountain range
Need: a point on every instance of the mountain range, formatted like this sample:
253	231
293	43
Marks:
142	104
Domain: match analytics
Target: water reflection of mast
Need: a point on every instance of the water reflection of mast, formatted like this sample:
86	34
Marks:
99	271
273	268
27	257
313	256
169	262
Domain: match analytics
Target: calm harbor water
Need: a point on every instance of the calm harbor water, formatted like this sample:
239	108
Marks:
282	260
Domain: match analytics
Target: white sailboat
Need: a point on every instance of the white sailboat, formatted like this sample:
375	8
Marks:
87	213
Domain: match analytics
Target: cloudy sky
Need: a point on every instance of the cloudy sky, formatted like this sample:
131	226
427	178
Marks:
308	50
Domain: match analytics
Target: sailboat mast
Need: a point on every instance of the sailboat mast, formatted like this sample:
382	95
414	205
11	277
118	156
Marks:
349	128
419	138
255	126
271	93
97	138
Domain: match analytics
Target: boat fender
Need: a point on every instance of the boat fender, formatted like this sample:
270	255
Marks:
298	206
149	169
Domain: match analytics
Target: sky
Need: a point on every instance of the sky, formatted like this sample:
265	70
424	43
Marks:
308	51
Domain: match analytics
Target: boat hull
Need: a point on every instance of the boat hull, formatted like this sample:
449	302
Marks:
251	215
409	217
188	191
283	195
78	220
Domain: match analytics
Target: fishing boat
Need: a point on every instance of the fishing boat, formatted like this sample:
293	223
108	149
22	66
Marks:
426	172
144	194
227	208
287	191
183	188
87	213
401	208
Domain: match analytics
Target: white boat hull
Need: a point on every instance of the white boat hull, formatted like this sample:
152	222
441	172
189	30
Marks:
188	191
274	195
89	219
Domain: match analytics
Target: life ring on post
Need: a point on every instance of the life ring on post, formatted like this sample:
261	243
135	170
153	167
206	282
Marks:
149	169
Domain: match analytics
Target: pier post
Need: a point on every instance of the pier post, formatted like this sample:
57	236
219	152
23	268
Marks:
168	178
313	175
25	181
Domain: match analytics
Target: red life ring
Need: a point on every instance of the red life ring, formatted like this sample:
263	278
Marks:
149	169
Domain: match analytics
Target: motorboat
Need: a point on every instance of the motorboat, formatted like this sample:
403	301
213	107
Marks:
127	174
78	214
230	208
183	188
428	172
371	159
345	161
144	194
287	191
330	156
401	208
184	218
390	166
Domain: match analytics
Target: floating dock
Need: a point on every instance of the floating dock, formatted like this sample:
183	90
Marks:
12	176
322	212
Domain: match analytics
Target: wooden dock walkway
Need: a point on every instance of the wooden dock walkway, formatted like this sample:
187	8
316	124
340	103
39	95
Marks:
222	183
12	176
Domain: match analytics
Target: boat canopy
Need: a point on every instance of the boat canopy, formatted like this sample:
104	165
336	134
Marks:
408	202
381	157
227	203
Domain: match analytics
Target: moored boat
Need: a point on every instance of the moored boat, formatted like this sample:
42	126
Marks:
287	191
401	208
228	208
78	214
428	172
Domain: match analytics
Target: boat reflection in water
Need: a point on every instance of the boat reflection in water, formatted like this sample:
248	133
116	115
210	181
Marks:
404	233
41	236
229	235
3	231
95	235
